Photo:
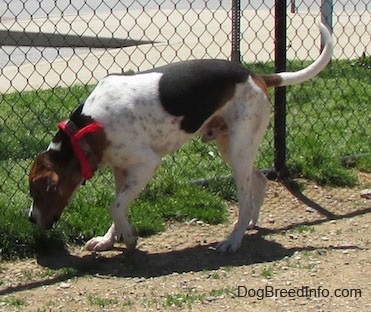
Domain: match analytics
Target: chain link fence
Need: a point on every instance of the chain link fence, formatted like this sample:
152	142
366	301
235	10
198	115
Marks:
52	51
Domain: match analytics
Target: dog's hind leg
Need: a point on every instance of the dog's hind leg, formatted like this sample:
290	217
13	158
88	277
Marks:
251	188
258	180
242	172
244	137
258	187
129	183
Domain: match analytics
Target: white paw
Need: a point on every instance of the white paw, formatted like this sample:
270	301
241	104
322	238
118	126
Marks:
99	243
228	246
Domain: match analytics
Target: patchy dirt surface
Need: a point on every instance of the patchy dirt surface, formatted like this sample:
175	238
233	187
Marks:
311	252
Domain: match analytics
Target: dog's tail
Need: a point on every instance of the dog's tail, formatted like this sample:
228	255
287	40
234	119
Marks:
289	78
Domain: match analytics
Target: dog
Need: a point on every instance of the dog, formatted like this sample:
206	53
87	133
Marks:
131	122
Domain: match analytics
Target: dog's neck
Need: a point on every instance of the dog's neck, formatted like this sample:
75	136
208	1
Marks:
79	144
82	149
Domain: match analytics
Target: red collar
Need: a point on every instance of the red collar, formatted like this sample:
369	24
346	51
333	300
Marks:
81	148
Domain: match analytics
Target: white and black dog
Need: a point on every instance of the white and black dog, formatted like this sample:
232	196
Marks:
131	122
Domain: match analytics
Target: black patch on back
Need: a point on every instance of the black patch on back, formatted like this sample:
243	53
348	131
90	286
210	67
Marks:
196	89
79	119
66	152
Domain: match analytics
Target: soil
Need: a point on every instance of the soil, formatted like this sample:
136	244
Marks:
311	252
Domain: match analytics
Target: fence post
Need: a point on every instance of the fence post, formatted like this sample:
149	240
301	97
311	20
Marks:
327	8
236	31
280	93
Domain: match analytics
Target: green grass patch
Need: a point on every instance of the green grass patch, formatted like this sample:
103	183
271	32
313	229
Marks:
302	229
13	301
102	302
328	118
267	272
191	297
182	300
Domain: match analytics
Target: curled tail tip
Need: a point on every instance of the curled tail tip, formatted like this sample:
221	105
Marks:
289	78
324	28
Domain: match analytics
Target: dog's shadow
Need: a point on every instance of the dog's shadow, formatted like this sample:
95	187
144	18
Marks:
255	249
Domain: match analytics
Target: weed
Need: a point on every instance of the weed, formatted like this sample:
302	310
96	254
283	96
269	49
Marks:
221	292
309	266
364	163
215	276
128	303
302	229
181	300
189	298
102	302
27	275
13	301
63	272
267	272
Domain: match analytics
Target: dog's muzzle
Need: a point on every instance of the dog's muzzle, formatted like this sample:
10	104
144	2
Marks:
34	214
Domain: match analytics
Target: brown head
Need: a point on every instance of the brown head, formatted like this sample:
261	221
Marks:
52	182
57	173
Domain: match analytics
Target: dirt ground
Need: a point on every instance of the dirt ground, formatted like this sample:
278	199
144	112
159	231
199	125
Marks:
311	252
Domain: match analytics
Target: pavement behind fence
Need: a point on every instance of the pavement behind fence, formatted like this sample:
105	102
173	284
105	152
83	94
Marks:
179	35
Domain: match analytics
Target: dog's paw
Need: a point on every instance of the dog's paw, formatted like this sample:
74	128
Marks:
251	225
99	243
228	246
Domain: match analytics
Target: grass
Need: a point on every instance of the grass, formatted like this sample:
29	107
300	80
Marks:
13	301
188	299
102	302
267	272
328	118
181	300
330	123
302	229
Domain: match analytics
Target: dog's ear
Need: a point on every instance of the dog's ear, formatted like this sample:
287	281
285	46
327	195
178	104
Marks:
52	182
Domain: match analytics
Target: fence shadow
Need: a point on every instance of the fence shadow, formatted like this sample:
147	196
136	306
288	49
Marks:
295	191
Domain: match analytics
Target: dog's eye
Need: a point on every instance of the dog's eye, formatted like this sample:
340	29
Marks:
52	188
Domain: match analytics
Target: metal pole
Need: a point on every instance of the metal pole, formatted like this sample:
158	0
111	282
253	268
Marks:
280	93
327	8
236	31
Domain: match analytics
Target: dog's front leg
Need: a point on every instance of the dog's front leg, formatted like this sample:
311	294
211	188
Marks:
129	183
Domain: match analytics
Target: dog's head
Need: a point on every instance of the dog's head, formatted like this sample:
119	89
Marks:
71	158
52	182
